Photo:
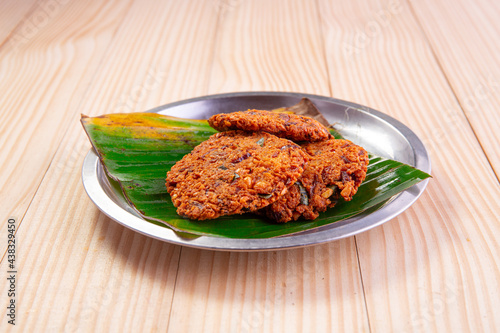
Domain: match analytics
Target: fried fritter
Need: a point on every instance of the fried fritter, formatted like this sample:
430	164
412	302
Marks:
234	172
284	125
336	169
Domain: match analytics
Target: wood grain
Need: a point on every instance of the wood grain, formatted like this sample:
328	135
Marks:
314	289
469	60
44	78
13	14
270	46
78	270
430	65
431	268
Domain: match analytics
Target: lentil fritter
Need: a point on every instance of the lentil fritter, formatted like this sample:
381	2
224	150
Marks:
336	169
234	172
285	125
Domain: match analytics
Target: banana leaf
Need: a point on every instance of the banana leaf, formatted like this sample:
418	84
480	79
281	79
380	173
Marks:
136	150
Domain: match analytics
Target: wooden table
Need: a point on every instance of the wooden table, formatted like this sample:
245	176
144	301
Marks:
434	65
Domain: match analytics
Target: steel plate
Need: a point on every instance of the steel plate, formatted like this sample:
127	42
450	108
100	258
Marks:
375	131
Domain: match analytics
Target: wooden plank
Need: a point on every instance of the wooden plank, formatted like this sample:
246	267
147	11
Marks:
43	80
275	48
464	37
435	267
78	270
13	16
313	289
264	45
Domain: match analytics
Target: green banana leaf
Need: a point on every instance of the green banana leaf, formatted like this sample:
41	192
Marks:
138	149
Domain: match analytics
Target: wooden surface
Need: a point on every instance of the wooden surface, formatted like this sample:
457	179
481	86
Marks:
431	64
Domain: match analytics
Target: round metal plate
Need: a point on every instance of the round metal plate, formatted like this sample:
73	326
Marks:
375	131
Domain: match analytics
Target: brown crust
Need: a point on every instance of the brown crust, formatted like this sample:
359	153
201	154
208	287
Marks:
294	127
336	170
234	172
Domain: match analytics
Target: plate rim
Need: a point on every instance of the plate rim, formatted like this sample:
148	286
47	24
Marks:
92	167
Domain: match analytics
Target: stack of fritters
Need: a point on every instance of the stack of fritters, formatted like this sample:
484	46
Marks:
253	166
234	172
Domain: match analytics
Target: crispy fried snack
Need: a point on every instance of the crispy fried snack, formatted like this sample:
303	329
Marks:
336	170
284	125
234	172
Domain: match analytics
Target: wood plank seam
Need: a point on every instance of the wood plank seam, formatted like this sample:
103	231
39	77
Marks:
330	89
452	88
20	219
362	284
220	11
323	50
369	279
259	308
84	95
174	287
